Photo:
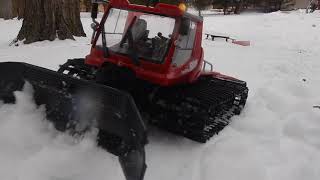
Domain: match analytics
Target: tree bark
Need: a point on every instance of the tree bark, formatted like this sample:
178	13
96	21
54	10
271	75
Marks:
49	19
238	7
18	7
71	13
6	10
88	5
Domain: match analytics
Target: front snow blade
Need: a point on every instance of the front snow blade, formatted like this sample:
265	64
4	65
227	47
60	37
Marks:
78	105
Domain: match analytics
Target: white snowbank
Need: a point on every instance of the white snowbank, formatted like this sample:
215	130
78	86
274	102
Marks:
31	149
276	137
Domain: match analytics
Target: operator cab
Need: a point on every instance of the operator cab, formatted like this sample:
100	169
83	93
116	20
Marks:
161	44
135	32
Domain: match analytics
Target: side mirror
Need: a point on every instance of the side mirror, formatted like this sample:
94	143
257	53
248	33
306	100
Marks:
185	26
94	11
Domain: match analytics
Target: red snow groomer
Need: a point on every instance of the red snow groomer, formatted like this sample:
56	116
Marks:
146	66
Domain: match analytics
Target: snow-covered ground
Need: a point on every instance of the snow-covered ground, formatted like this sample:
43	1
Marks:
277	137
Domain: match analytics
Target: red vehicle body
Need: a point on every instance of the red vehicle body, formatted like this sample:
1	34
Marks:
166	73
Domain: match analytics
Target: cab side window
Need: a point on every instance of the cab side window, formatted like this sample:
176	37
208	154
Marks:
185	42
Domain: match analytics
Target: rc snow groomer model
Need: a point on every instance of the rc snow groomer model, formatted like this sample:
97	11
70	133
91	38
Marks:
146	66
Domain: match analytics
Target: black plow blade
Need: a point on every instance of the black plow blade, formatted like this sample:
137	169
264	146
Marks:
78	105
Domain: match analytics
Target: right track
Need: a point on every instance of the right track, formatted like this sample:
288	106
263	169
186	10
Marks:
200	110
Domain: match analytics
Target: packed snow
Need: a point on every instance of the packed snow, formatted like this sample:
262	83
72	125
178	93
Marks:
275	138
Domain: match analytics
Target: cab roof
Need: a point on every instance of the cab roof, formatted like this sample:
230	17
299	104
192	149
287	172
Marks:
161	9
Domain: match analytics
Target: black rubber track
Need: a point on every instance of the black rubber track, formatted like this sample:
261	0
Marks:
197	111
200	110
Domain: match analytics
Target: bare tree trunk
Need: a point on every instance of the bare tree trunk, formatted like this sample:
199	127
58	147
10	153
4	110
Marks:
71	14
6	10
12	8
49	19
225	7
88	4
238	7
18	7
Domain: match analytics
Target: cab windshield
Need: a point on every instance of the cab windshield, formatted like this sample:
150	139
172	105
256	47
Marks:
146	35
